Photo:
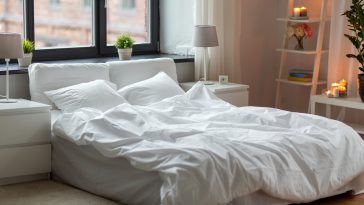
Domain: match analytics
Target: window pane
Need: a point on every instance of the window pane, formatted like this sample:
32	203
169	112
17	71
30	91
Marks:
62	23
11	16
128	16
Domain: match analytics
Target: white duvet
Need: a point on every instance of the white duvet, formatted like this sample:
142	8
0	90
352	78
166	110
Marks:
208	152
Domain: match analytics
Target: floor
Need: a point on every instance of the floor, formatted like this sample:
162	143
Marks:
49	192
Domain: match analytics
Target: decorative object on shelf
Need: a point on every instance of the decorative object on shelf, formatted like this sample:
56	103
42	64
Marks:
124	44
223	79
10	48
300	75
338	89
299	13
299	31
205	36
28	47
355	20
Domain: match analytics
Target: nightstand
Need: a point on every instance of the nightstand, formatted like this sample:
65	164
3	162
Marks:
25	149
235	94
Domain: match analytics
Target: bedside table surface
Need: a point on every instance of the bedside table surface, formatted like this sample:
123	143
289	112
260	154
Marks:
23	105
217	87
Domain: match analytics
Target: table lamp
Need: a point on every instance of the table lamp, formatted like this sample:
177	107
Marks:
10	48
205	36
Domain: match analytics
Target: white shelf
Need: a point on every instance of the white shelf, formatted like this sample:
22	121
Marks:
348	102
310	20
312	52
300	83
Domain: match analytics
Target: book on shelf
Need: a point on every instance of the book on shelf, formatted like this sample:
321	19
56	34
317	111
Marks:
290	78
300	75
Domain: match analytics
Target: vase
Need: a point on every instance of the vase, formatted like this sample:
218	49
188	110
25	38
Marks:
125	54
26	60
361	86
299	45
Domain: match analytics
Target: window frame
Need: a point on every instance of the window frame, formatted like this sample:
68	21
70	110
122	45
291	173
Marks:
100	47
145	48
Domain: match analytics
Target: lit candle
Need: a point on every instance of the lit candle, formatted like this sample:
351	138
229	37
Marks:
344	83
342	89
303	11
334	88
336	92
296	12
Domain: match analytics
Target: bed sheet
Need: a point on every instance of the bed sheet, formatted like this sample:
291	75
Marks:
85	168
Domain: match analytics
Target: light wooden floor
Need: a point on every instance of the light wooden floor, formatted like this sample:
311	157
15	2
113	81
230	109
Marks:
54	193
341	200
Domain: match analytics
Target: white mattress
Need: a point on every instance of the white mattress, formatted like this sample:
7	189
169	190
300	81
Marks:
85	168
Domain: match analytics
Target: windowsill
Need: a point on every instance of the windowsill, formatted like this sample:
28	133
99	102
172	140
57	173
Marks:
15	69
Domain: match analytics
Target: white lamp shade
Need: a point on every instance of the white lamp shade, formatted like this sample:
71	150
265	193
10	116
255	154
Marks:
205	36
11	46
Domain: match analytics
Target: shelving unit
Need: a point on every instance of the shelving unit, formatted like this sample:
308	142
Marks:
321	82
317	52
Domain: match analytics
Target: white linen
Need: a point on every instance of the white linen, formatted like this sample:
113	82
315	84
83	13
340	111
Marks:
124	73
151	90
97	94
44	77
209	152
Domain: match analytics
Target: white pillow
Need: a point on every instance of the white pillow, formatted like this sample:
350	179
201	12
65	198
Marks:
97	94
152	90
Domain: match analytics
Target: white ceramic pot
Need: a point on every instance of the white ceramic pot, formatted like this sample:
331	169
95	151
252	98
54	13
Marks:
26	60
125	54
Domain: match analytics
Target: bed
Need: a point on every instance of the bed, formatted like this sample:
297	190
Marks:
115	177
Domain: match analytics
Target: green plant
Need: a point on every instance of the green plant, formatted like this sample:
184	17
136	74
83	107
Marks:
355	16
28	46
124	41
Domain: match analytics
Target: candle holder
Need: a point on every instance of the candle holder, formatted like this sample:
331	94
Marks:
337	90
299	13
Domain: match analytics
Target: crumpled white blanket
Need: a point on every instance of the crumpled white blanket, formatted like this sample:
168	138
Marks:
209	152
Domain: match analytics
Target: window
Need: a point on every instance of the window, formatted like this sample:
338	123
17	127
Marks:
11	16
65	27
127	4
81	28
53	4
136	24
87	4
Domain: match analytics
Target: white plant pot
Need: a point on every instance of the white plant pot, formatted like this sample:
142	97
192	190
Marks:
26	60
125	54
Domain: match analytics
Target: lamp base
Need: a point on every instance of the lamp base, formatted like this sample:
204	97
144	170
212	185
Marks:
8	101
208	82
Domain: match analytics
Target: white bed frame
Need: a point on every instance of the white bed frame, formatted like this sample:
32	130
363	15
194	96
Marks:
44	77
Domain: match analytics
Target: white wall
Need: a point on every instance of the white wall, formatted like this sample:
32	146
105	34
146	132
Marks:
176	24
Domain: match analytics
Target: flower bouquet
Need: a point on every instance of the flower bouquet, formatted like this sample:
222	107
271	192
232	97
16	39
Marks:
299	31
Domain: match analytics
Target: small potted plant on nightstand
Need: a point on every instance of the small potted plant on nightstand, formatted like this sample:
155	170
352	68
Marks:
124	44
355	17
28	48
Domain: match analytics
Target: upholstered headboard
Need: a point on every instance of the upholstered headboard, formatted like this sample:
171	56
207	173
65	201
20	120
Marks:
124	73
44	77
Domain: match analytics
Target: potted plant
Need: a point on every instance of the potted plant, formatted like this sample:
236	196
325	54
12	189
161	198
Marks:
124	44
28	48
355	16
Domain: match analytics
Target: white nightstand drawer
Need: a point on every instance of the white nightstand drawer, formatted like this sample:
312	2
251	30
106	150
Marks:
25	128
21	161
239	98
